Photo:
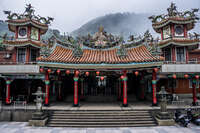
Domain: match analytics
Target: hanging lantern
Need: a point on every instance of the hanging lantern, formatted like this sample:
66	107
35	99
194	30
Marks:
197	76
102	78
186	76
41	70
76	72
136	73
87	73
174	76
122	77
97	73
58	71
67	72
49	70
156	70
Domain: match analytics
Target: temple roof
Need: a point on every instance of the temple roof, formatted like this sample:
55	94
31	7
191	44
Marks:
19	43
178	42
65	56
187	17
27	18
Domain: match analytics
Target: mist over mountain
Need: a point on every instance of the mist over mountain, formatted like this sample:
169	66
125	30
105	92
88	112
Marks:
123	24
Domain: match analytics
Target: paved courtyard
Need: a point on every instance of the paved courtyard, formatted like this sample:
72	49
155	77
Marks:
21	127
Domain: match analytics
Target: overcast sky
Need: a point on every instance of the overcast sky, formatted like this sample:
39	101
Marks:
71	14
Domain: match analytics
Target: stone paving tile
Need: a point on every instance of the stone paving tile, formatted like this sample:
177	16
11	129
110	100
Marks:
21	127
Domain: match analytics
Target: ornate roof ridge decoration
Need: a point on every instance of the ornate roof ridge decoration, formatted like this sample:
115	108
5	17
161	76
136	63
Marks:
122	51
100	40
29	14
77	51
186	17
146	39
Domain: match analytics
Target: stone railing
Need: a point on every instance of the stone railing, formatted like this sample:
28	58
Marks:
18	63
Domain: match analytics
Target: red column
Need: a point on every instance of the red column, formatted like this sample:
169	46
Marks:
27	54
162	34
8	91
47	86
124	79
16	32
154	88
187	55
76	91
185	31
194	103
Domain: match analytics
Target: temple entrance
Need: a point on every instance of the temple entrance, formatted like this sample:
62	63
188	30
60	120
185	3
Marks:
106	87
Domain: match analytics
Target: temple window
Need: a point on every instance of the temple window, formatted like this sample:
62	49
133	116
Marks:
180	54
167	54
33	54
21	55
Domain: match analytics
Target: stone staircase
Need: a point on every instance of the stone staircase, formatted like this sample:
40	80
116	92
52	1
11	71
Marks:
94	118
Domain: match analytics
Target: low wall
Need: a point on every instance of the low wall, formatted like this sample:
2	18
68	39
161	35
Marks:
17	115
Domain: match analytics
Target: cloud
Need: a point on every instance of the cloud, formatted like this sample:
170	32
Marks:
71	14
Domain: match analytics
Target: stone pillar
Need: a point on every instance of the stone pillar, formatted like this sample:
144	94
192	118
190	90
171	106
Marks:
194	103
47	86
154	103
119	89
59	90
8	82
76	91
82	88
124	79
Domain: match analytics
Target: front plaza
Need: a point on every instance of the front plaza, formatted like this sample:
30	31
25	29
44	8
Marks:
21	127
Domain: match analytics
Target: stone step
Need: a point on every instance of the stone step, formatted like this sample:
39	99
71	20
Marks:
98	112
135	114
100	126
100	117
100	120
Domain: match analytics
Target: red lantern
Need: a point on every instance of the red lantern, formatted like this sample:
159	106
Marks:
58	71
102	78
49	70
87	73
174	76
156	70
186	76
197	76
97	73
136	73
41	70
67	72
76	73
122	77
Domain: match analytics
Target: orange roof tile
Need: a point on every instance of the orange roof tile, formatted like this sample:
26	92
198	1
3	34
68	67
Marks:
97	56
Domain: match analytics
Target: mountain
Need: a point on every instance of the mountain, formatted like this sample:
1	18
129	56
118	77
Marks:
4	28
117	24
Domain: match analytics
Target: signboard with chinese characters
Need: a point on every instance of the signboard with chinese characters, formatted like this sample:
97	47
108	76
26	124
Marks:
34	33
166	32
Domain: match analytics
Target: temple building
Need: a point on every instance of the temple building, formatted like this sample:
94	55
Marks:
100	67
